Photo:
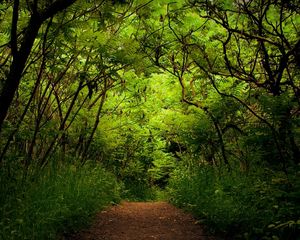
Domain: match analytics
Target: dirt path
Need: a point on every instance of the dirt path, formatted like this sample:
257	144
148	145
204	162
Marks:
143	221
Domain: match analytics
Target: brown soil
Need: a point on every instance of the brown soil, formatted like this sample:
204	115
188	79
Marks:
143	221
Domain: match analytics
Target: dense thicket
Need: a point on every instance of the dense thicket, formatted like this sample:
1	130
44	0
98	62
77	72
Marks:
198	98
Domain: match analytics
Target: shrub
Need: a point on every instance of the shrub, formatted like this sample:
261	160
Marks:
242	206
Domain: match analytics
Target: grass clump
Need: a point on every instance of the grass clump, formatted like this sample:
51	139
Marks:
54	201
239	205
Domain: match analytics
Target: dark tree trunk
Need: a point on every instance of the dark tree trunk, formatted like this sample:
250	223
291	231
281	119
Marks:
16	69
90	139
220	136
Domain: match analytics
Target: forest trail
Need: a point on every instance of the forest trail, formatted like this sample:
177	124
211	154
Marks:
143	221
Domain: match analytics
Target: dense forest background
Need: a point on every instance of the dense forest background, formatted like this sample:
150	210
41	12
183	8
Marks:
196	102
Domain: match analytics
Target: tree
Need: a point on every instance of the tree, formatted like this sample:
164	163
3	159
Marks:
242	44
72	70
21	43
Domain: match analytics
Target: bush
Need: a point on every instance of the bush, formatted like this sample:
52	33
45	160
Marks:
54	201
138	191
239	205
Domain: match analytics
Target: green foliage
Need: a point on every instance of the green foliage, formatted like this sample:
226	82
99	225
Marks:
260	204
135	132
138	191
163	165
54	201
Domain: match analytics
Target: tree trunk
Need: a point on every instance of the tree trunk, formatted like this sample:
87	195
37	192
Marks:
16	69
85	152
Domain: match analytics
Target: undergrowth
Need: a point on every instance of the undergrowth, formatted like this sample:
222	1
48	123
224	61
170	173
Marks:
257	205
53	201
142	191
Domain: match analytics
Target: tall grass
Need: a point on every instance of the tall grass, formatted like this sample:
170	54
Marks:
55	200
257	205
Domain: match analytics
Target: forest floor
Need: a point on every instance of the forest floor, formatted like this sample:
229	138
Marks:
143	221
